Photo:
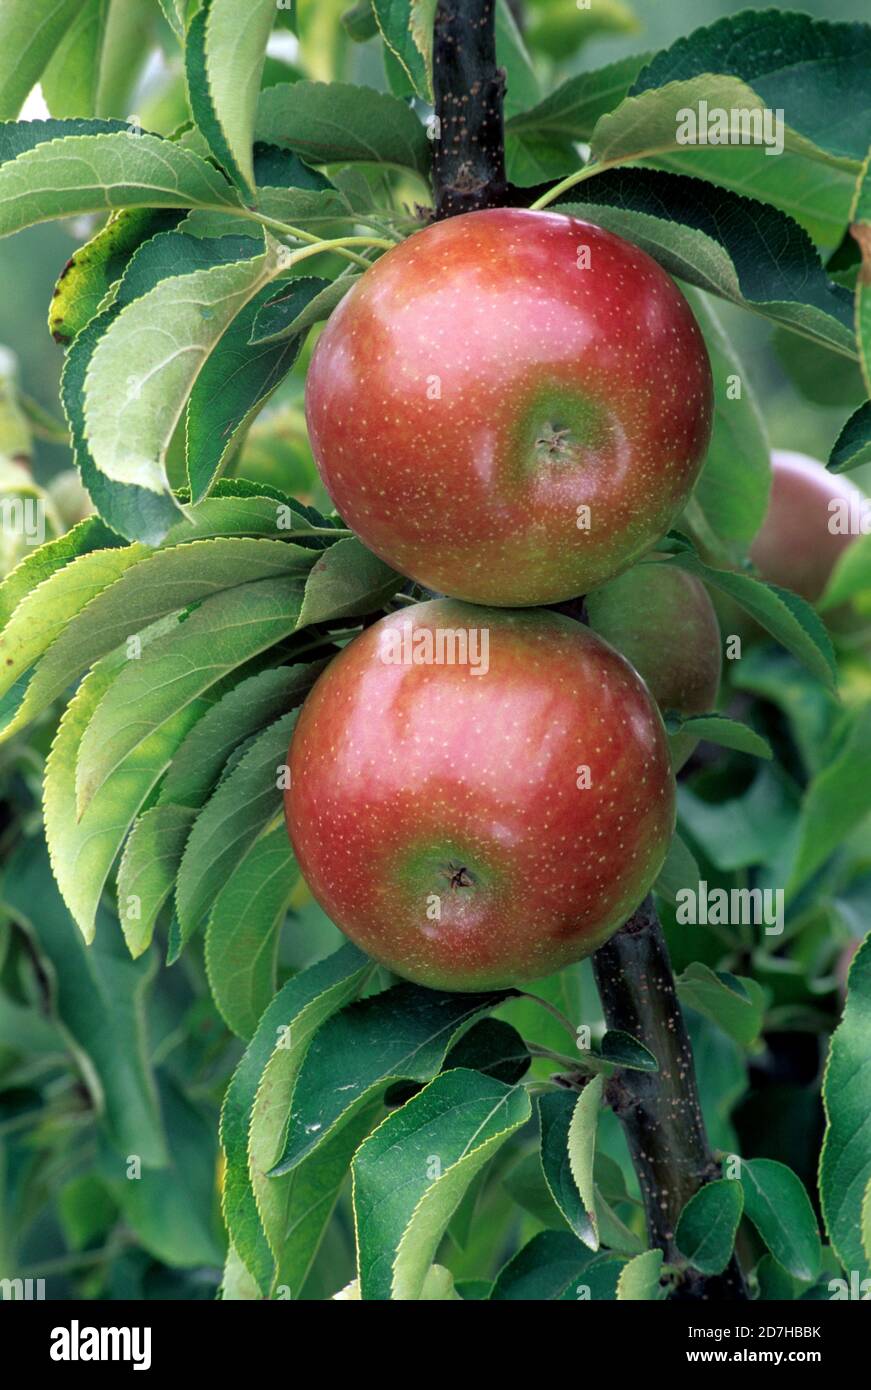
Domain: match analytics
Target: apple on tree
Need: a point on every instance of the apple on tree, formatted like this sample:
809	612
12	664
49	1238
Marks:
511	406
663	621
811	520
476	824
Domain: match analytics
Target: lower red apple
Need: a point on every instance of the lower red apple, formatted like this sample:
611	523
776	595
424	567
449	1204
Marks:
510	406
663	621
479	796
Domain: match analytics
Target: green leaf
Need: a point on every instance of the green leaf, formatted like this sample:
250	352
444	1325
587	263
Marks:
845	1165
224	64
741	250
16	137
790	620
290	191
92	270
853	445
411	1174
861	229
99	998
146	873
599	1281
666	118
292	312
733	500
172	1209
620	1049
816	196
133	512
813	69
136	512
574	107
776	1202
242	934
756	827
708	1224
84	848
237	1285
820	376
147	361
394	19
337	123
547	1267
532	159
521	83
40	564
492	1047
235	382
279	1043
555	1114
90	72
86	1210
835	803
241	807
402	1034
525	1184
639	1280
174	12
219	636
850	576
775	1285
146	588
96	173
44	612
29	33
300	1205
347	580
734	1002
720	729
680	870
238	507
812	711
582	1149
243	711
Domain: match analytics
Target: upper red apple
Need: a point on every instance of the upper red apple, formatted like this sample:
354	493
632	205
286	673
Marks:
510	406
474	823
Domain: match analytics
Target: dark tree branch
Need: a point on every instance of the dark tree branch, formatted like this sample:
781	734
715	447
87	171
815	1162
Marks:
660	1111
469	145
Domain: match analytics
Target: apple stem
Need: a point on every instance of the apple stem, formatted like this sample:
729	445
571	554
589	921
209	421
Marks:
660	1111
469	89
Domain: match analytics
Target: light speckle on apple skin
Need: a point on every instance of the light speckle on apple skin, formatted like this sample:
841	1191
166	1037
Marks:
493	307
403	774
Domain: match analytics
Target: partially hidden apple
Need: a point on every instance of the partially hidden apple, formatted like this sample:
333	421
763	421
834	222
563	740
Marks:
663	621
811	519
479	796
510	406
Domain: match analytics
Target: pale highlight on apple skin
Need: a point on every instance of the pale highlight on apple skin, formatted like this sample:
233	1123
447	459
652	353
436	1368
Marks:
421	786
484	382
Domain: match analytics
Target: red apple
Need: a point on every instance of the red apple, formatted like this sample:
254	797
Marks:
799	541
479	822
510	406
663	621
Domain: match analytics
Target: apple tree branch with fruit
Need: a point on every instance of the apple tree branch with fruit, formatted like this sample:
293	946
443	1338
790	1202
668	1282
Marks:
445	691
